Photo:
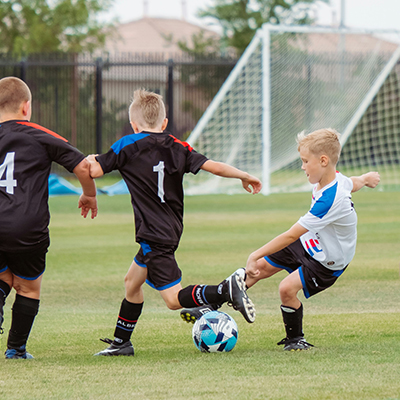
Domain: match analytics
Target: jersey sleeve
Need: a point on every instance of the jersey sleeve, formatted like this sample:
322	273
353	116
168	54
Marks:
58	148
111	160
330	206
194	161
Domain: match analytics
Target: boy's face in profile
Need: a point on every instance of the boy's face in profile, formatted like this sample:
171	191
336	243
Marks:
311	165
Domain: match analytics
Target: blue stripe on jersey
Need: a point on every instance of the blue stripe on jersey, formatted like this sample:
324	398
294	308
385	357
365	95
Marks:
127	140
324	203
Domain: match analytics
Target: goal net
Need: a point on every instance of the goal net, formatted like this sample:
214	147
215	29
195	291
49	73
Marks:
291	79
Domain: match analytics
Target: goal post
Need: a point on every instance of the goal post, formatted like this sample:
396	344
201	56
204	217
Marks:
298	78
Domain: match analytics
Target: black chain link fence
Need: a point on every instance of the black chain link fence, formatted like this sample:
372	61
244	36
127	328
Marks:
85	98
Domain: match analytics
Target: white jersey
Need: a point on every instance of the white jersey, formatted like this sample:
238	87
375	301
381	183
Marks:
331	224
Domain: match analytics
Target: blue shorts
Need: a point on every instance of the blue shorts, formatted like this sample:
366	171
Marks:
314	276
27	265
162	269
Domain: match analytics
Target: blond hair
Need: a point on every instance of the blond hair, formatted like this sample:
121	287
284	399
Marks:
321	142
13	92
147	109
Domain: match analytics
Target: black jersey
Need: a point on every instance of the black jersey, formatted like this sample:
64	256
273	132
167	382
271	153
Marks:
153	166
26	153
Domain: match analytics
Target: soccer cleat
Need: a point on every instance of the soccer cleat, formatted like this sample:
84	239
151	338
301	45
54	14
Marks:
124	349
238	298
242	273
295	344
18	353
190	315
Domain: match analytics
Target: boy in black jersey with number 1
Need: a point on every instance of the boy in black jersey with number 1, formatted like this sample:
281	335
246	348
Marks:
27	151
152	163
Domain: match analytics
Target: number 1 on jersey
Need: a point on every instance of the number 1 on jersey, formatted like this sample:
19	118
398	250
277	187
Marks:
159	168
8	167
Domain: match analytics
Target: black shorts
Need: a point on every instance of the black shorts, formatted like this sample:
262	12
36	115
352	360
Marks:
27	265
314	276
162	269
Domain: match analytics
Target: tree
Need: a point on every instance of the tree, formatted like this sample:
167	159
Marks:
43	26
240	19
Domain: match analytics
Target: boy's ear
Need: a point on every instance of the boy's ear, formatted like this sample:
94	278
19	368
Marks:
26	108
324	160
135	127
164	124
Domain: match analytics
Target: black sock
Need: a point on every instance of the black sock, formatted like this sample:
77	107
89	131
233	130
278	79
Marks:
129	314
4	292
293	320
200	295
24	311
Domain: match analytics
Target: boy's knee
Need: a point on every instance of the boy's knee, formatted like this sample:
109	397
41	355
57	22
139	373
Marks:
286	290
172	304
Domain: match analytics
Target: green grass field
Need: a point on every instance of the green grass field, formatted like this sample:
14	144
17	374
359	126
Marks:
355	325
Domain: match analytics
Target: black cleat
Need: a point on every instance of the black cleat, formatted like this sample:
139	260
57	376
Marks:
124	349
191	315
238	298
295	344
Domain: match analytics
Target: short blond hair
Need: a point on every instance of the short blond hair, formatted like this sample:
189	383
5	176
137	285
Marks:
147	109
321	142
13	92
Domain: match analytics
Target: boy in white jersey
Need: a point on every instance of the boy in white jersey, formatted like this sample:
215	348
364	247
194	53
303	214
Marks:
319	246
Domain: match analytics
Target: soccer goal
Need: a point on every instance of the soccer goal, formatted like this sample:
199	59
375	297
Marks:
291	79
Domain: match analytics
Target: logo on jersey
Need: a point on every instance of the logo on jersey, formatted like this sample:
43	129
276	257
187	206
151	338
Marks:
313	247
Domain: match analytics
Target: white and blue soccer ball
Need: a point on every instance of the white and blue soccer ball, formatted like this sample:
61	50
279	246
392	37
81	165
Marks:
215	332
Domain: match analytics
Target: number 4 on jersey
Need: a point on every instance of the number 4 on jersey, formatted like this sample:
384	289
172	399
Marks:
8	167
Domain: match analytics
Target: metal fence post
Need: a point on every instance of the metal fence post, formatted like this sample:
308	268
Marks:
99	104
23	69
170	95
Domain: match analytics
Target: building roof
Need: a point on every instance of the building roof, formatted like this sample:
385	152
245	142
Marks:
154	35
353	43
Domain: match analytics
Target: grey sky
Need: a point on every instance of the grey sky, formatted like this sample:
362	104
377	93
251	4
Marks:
376	14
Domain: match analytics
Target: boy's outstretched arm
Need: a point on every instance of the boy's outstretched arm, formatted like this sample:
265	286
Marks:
280	242
370	179
227	171
88	200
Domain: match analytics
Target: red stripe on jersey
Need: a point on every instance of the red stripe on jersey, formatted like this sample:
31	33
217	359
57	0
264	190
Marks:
41	128
184	144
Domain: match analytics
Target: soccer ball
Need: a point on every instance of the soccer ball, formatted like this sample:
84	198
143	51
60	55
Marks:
215	332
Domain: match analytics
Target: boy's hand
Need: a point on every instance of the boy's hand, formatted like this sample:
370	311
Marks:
252	181
94	167
91	157
372	179
87	203
252	270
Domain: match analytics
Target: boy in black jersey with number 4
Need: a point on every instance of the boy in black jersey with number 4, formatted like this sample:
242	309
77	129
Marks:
27	151
152	163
